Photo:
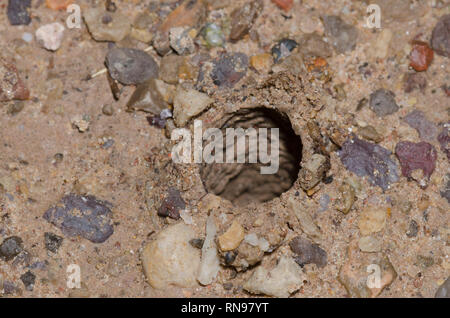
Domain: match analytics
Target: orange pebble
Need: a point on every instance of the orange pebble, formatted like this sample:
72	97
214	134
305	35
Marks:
320	62
286	5
421	56
58	4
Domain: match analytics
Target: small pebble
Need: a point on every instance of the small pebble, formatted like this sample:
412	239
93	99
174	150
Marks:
169	260
27	37
444	290
165	114
148	98
80	122
242	19
115	30
189	14
11	247
358	267
343	36
18	12
346	199
283	49
313	170
156	121
421	56
281	281
197	243
286	5
414	156
230	257
13	88
382	102
210	261
308	252
172	205
108	110
181	40
58	4
232	238
369	244
313	45
50	36
169	68
261	62
372	220
28	279
426	129
371	160
189	103
440	38
229	69
415	81
82	215
108	144
369	133
213	35
52	242
131	66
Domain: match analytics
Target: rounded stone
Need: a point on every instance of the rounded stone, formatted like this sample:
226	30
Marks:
131	66
169	260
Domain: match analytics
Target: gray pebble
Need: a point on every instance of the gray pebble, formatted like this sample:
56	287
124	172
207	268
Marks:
82	215
440	38
28	280
229	69
9	288
131	66
52	242
343	36
426	129
18	12
108	144
308	252
444	290
11	247
382	102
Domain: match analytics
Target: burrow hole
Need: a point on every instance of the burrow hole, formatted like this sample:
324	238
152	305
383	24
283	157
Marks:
243	183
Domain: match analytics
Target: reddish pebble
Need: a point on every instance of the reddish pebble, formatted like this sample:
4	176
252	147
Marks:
414	156
286	5
11	85
421	56
58	4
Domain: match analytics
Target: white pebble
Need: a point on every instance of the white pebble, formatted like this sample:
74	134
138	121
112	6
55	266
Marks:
50	36
27	37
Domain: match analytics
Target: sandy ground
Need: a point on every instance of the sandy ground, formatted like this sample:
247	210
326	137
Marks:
123	173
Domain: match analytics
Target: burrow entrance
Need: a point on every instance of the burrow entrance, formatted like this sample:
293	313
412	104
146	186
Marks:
243	183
